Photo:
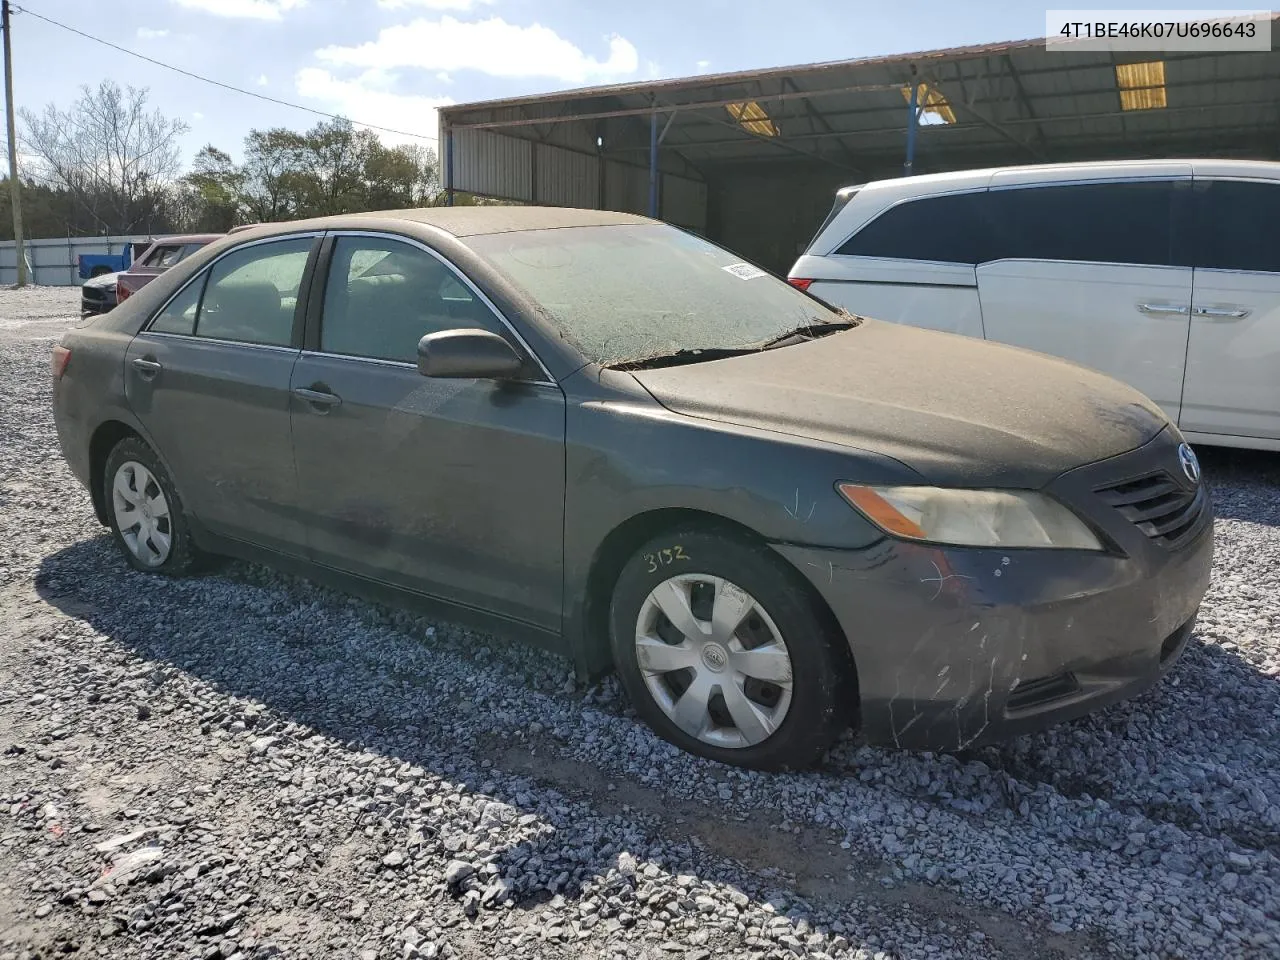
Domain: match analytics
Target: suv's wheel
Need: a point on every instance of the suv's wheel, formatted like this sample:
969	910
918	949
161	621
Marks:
722	652
145	512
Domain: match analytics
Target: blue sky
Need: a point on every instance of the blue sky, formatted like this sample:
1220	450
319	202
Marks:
391	62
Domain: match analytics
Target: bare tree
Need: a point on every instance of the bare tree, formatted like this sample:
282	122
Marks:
109	152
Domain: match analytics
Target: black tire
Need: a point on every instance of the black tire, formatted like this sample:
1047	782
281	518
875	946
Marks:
183	555
823	692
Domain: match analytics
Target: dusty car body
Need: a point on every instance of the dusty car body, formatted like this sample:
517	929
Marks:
613	438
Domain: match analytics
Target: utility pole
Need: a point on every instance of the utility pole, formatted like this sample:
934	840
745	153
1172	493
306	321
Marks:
15	188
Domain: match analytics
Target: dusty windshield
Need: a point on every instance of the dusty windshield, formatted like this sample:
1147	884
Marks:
629	292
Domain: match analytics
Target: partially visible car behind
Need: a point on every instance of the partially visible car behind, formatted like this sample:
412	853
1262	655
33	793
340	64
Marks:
98	295
93	265
1164	274
159	257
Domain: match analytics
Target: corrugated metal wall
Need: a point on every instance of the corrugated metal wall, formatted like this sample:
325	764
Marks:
495	165
54	262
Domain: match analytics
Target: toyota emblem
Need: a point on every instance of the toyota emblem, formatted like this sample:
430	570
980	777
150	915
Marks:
1190	465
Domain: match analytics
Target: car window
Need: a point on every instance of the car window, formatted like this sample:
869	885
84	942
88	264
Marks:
628	292
1094	222
252	292
164	256
188	249
951	228
179	315
383	296
1236	225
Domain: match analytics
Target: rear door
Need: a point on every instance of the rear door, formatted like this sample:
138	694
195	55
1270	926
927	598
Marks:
209	380
453	488
1233	355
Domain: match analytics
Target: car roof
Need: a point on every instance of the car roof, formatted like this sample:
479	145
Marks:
457	221
188	238
1047	171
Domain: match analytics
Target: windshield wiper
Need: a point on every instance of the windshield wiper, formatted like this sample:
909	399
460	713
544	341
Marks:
678	357
806	331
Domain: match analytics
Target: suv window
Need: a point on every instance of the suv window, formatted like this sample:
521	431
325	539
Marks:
382	296
1094	222
251	293
951	228
1236	225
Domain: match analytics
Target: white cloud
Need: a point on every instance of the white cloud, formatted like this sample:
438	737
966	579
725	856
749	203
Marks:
197	115
368	98
491	46
444	77
651	67
703	66
431	4
262	80
244	9
146	33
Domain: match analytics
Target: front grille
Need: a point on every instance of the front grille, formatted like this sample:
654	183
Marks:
1162	508
92	293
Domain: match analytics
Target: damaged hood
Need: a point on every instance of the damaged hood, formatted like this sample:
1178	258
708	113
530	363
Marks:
958	411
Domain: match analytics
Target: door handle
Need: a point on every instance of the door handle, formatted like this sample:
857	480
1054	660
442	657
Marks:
1162	310
147	369
1222	313
320	400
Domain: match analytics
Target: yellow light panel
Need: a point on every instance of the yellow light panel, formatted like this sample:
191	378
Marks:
1141	85
751	116
931	102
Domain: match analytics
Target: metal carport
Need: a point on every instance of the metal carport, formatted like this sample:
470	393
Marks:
751	159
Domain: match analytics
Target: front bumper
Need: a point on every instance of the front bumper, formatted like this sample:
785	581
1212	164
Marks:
957	647
90	304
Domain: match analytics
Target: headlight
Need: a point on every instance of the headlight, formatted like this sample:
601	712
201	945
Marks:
971	518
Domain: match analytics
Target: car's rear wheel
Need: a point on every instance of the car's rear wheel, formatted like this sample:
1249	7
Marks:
145	512
723	652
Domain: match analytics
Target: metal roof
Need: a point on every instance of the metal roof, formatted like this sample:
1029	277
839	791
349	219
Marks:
1014	101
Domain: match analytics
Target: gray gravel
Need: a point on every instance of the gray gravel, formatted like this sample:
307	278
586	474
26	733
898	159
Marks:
247	765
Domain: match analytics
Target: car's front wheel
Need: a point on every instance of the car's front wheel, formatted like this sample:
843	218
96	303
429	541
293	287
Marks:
145	512
722	651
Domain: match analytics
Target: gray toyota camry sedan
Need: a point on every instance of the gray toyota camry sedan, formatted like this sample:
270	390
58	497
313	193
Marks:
617	439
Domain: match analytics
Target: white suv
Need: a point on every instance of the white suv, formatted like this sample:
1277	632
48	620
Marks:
1164	274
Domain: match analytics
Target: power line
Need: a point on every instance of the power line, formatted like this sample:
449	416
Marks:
219	83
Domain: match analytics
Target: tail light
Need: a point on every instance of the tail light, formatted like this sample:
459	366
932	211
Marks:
58	363
799	282
121	291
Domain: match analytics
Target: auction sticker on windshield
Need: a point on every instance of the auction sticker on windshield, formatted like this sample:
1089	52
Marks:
744	271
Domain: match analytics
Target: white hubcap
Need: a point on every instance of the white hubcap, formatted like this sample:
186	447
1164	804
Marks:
141	513
713	660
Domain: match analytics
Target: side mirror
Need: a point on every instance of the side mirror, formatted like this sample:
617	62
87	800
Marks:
470	354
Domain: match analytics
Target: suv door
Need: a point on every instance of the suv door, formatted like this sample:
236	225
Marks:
1233	354
1095	272
453	488
209	380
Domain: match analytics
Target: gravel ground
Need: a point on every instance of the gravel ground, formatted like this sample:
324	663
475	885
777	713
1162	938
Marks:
247	765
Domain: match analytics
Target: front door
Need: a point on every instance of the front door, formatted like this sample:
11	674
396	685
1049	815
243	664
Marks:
209	381
1233	355
450	487
1093	273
